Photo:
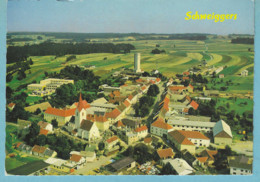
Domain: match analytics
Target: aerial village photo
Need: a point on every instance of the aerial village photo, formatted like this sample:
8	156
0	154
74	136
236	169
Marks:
129	87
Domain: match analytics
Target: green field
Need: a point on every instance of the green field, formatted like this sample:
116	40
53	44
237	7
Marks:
180	56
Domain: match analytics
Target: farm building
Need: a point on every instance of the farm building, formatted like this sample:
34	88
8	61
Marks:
222	133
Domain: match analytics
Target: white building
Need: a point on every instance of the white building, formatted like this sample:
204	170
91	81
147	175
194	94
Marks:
180	166
240	165
160	128
192	125
222	133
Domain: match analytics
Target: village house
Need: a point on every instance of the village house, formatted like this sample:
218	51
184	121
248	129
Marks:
62	116
90	156
11	106
222	133
77	161
180	166
57	166
124	163
141	132
206	157
240	165
188	140
45	126
187	125
244	73
160	128
111	142
165	153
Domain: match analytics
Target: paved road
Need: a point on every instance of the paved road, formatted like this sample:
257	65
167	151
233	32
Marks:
88	169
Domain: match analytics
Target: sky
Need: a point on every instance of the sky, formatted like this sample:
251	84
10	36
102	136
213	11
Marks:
128	16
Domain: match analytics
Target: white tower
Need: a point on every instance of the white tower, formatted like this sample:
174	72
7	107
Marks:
137	67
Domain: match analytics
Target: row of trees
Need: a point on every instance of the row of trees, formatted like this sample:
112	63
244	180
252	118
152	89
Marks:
157	51
20	53
241	40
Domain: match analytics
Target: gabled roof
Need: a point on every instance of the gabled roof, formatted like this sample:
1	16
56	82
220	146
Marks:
130	97
82	104
165	153
222	126
119	124
158	79
75	157
42	124
148	140
86	125
112	139
179	138
202	159
113	114
142	128
209	153
240	162
38	149
60	112
159	124
43	132
121	107
186	73
126	103
11	104
194	104
190	86
177	88
193	134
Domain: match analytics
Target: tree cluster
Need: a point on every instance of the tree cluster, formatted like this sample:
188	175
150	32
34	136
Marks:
157	51
142	107
153	90
20	53
241	40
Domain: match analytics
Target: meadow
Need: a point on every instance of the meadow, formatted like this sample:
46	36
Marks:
180	56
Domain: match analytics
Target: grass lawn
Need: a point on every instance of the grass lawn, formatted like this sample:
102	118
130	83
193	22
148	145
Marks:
239	106
12	163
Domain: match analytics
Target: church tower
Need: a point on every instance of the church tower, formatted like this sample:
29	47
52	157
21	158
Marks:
81	112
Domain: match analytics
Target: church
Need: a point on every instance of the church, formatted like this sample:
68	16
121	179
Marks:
83	127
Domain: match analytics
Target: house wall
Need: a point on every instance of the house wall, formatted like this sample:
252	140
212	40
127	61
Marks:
159	131
61	120
239	171
200	142
102	126
219	140
193	128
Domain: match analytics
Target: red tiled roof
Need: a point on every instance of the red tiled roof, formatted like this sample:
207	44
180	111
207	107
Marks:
193	134
116	93
130	97
165	153
194	104
152	81
191	86
119	124
143	87
209	153
43	132
38	149
42	124
126	103
114	114
188	98
11	104
139	80
158	79
75	157
112	139
160	124
179	138
18	144
185	78
186	73
148	140
177	88
83	104
142	128
186	110
202	159
60	112
96	118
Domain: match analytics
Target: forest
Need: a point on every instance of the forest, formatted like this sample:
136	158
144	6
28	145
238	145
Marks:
21	53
